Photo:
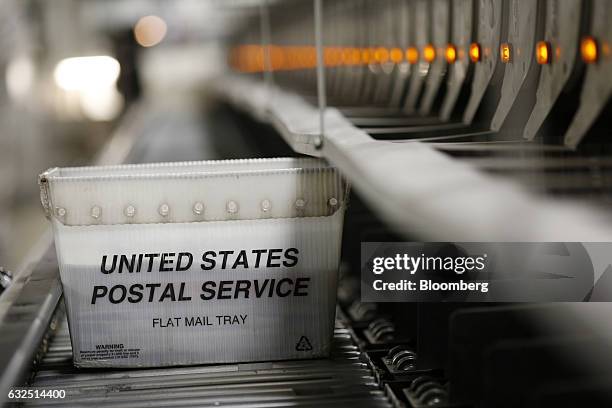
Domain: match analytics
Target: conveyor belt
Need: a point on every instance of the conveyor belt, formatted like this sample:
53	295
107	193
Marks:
339	381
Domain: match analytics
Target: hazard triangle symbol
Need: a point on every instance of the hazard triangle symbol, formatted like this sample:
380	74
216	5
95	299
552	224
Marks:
303	344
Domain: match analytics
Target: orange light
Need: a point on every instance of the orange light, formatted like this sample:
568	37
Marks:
355	56
451	54
505	53
365	55
277	58
429	53
543	52
336	54
150	31
310	54
412	55
381	55
327	56
372	54
346	56
475	52
396	55
589	50
290	60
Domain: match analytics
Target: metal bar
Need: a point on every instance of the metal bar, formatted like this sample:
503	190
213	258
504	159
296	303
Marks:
318	15
27	319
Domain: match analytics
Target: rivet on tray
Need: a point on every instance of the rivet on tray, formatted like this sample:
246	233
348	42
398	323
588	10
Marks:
266	205
198	208
231	207
300	203
60	211
164	210
130	211
332	202
96	212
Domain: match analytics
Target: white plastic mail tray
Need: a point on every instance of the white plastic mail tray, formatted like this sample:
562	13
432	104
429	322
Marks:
197	262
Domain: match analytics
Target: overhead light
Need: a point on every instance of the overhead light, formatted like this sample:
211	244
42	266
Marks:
366	58
396	55
589	50
543	52
505	53
475	53
451	54
19	78
412	55
355	56
429	53
78	73
92	81
150	31
381	55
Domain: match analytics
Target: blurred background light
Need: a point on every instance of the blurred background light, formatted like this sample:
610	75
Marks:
150	31
102	104
19	77
93	82
82	73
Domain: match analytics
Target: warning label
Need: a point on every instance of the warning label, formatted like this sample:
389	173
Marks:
303	344
109	352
